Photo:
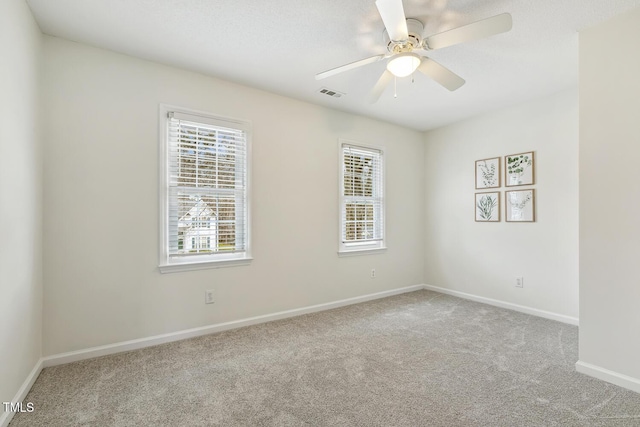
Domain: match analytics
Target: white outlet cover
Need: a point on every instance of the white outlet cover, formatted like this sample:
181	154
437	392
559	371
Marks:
209	297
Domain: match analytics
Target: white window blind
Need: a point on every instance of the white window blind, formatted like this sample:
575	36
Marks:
206	195
362	204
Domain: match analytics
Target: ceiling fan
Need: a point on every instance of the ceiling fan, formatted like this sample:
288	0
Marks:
408	49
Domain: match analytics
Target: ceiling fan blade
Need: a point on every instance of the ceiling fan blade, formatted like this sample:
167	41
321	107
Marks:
392	14
474	31
440	74
380	86
351	66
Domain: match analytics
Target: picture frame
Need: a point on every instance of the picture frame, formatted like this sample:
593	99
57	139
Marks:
487	206
488	173
519	169
520	205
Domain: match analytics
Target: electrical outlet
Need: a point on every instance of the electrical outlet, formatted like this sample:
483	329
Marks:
208	297
519	282
373	273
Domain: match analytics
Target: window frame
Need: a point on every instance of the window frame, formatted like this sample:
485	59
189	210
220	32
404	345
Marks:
166	263
360	248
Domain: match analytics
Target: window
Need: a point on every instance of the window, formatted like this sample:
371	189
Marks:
362	198
204	203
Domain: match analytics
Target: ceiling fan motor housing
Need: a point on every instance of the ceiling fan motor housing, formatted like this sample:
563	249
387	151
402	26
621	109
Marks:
415	29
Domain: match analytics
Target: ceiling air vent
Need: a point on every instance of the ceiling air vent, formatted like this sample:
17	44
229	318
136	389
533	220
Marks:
329	92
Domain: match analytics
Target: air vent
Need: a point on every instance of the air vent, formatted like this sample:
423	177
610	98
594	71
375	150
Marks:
329	92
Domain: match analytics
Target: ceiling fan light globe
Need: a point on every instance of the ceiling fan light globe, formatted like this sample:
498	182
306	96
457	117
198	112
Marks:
403	64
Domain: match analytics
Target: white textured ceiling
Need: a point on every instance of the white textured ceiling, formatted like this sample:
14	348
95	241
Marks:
279	45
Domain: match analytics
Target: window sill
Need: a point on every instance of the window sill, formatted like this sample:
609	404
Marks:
356	252
175	268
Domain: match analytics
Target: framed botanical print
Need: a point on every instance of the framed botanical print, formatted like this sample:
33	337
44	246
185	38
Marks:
518	169
488	173
520	205
488	207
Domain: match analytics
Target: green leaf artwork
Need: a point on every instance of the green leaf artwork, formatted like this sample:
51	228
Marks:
520	205
486	206
488	174
517	167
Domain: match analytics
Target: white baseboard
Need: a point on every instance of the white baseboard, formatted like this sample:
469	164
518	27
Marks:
612	377
6	417
74	356
503	304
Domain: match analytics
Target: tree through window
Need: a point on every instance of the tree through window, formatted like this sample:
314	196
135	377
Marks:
362	207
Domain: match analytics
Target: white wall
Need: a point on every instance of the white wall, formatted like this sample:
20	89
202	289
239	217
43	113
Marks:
483	259
101	223
20	198
609	203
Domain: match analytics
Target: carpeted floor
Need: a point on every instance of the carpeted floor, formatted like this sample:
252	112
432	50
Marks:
417	359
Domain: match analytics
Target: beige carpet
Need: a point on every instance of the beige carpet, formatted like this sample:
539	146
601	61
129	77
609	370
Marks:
418	359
